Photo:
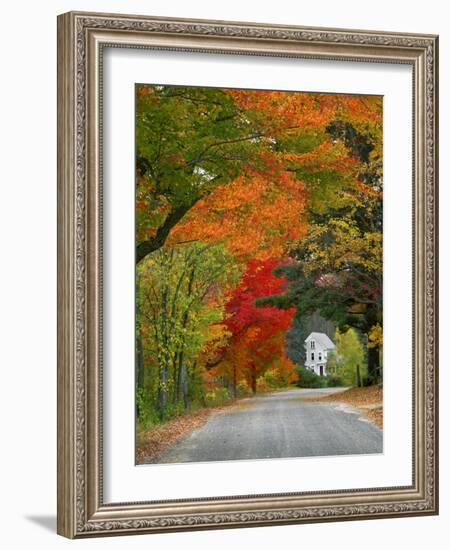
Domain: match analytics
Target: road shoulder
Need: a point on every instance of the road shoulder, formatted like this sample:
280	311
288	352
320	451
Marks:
367	401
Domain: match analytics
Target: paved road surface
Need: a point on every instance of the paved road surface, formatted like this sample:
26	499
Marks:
279	425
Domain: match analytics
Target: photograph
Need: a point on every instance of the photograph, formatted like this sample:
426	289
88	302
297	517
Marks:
259	274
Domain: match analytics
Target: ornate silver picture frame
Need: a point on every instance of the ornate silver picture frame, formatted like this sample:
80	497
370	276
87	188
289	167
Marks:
82	509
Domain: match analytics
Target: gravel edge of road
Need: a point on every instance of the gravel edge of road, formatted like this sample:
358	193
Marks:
372	411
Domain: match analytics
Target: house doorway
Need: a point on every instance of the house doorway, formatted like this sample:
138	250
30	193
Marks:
321	370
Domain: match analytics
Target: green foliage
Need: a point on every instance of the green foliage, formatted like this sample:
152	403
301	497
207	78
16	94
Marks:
334	381
332	361
243	389
273	378
146	413
217	397
177	132
360	144
309	379
327	187
302	141
337	268
180	302
349	361
262	385
276	377
188	141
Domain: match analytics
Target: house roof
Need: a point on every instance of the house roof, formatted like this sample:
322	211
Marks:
322	339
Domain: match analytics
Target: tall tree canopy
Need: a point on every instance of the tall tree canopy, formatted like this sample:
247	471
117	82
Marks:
337	266
189	141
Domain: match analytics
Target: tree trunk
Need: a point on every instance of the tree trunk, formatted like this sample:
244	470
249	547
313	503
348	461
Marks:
253	379
373	357
145	248
140	380
373	365
177	366
380	357
162	391
165	360
358	377
184	385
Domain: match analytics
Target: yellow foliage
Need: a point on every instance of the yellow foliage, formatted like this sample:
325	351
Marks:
375	336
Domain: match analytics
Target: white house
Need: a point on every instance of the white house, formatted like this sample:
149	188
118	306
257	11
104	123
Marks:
317	347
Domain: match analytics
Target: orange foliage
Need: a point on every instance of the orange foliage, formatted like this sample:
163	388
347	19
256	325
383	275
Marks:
286	370
281	110
249	357
327	155
284	110
254	217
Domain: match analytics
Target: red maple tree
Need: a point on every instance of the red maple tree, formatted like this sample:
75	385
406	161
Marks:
257	339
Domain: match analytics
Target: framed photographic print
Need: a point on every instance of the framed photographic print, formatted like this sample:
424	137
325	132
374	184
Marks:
247	284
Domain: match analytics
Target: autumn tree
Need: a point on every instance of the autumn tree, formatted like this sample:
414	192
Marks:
337	266
338	272
375	345
257	334
347	362
181	295
189	141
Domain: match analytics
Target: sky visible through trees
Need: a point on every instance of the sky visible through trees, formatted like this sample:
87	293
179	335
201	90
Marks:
256	213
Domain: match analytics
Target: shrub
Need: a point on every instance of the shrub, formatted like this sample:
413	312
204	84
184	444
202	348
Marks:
272	378
262	385
243	389
147	416
370	380
334	381
309	379
217	397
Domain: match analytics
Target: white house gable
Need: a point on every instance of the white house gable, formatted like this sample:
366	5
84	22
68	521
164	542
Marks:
317	347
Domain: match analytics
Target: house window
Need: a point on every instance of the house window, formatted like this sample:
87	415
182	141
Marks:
312	356
320	357
313	344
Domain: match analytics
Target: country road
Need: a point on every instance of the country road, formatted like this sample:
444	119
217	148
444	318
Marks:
278	425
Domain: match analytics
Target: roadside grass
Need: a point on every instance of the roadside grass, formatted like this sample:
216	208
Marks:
368	400
151	442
